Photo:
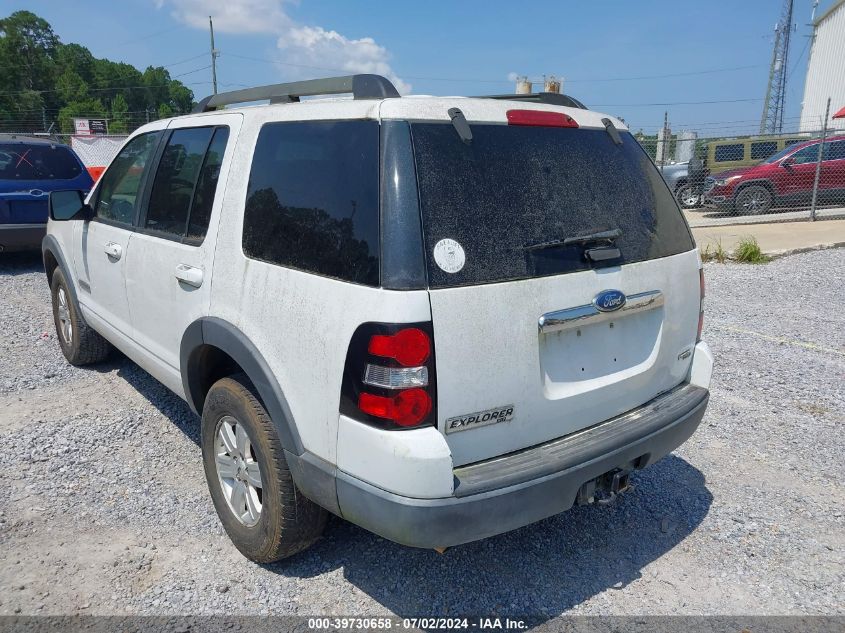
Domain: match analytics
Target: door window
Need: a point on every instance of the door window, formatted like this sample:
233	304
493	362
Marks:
834	150
207	185
120	185
185	182
809	154
727	153
763	149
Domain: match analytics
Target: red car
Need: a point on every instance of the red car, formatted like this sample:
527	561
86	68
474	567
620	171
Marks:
784	179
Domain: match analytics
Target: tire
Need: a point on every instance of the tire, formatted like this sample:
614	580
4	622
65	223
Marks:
80	344
269	521
686	198
753	200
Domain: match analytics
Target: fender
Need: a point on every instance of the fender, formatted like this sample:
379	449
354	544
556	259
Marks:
761	182
229	339
51	245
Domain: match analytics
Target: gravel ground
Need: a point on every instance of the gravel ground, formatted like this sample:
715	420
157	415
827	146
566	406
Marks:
105	508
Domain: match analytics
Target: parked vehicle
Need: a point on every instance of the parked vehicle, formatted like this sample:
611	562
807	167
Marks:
746	151
689	192
30	168
785	178
438	318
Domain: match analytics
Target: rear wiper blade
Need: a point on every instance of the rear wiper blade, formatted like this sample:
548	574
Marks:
459	122
600	236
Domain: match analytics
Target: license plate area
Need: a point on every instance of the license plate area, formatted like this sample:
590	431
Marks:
582	349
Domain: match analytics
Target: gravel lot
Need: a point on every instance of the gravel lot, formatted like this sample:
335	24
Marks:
105	508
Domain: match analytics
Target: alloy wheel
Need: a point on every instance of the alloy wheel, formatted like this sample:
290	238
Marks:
65	324
238	471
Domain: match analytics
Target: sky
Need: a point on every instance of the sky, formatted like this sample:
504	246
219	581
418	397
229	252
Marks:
706	63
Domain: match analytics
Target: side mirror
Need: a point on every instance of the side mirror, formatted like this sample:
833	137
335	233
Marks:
69	205
787	162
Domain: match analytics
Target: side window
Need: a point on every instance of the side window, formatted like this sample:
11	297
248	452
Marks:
121	183
207	185
834	150
809	154
763	149
728	153
312	201
176	179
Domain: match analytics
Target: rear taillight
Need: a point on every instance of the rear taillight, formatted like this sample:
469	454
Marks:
540	118
406	408
389	378
700	305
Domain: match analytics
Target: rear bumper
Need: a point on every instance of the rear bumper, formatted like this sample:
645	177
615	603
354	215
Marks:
509	492
18	237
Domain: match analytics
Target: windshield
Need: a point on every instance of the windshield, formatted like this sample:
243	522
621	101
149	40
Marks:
514	187
777	156
19	161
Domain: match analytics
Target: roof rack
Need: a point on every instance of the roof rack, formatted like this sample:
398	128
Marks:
552	98
361	87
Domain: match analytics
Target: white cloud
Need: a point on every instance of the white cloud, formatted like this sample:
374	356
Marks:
230	16
310	50
315	46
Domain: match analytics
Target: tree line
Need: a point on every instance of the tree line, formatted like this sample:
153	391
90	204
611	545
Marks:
44	83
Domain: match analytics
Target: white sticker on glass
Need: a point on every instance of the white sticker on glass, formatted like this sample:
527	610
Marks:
449	255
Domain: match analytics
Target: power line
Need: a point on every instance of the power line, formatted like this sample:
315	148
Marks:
501	81
674	103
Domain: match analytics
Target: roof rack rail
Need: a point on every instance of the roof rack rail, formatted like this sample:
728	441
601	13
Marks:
361	87
552	98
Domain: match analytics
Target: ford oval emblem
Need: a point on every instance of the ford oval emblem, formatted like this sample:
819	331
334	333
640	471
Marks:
609	300
36	192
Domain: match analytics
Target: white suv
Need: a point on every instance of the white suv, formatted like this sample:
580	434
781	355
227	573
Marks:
438	318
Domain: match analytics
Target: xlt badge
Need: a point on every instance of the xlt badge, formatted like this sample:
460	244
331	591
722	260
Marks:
479	418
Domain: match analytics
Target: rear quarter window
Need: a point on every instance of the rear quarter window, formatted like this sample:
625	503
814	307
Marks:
512	187
313	199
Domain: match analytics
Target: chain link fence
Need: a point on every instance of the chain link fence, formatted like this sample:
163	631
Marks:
798	174
780	176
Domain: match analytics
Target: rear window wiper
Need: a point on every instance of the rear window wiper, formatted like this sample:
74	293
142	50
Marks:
459	122
591	238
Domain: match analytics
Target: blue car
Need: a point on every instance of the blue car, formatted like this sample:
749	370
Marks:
30	168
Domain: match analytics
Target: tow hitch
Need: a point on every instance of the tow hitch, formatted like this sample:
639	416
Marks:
604	489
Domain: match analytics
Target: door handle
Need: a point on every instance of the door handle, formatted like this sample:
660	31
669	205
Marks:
115	251
190	275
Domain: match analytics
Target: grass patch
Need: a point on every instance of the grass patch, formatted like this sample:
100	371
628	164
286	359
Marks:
717	254
748	252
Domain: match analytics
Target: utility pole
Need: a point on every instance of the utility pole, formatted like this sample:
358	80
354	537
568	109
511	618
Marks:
819	160
214	54
772	120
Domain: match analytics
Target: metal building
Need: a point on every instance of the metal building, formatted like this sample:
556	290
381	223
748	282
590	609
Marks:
826	70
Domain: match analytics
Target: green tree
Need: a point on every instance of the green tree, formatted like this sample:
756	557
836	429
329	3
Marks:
87	109
119	123
40	77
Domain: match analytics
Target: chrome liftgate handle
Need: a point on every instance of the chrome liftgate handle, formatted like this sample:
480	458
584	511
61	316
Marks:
569	318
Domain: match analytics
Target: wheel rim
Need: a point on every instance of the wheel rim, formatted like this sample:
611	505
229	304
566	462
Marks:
238	471
754	202
65	325
688	198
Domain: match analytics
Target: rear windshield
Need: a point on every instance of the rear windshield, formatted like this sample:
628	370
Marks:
37	162
512	187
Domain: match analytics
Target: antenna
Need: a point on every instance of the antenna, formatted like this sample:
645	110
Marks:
214	54
772	120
